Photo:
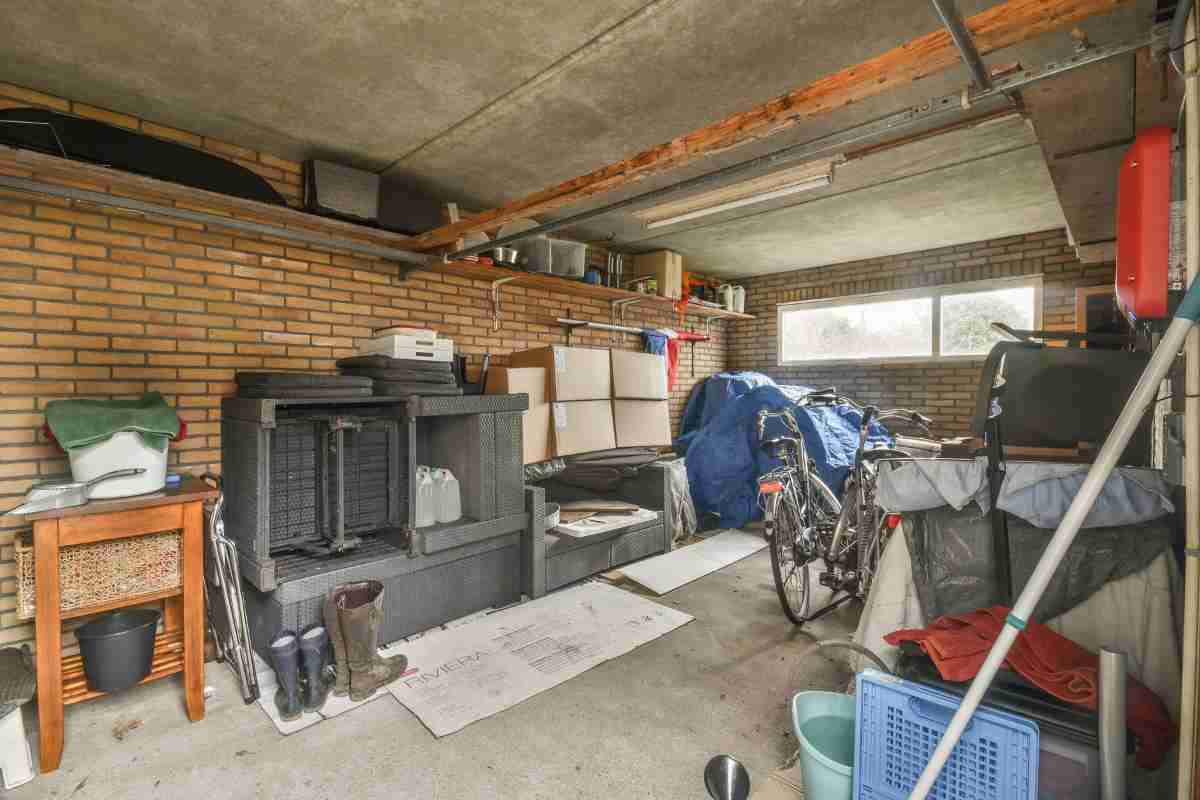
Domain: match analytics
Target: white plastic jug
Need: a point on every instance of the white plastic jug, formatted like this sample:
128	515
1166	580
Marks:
739	299
725	293
427	499
449	504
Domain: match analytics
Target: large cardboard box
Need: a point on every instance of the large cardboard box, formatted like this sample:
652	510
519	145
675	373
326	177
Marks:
582	426
535	423
572	373
665	266
638	376
642	423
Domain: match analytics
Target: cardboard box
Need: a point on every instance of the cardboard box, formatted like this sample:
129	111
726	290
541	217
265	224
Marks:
638	376
642	423
666	266
535	423
572	373
582	426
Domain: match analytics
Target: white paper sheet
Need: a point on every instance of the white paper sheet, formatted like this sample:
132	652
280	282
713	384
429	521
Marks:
602	523
471	672
669	571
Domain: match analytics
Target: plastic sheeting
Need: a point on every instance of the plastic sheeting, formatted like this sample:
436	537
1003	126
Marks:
725	458
684	512
708	398
1037	492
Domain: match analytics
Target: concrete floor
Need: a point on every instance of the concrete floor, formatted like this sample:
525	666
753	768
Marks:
642	725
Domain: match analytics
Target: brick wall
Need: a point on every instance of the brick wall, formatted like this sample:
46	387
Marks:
99	302
944	391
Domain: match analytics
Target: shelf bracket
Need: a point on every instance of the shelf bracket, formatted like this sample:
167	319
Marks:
708	323
496	291
618	312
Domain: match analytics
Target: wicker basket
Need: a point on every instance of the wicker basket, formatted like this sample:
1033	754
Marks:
91	574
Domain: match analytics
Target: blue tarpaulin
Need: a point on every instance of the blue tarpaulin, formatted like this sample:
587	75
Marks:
724	459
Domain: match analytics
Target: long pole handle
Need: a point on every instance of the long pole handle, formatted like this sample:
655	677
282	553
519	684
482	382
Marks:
1143	394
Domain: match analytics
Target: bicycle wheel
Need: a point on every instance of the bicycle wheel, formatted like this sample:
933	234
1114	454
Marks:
794	542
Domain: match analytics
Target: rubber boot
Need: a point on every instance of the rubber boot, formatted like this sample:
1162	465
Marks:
285	657
341	682
314	649
360	613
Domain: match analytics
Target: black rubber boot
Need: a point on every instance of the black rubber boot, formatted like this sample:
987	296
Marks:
285	657
314	654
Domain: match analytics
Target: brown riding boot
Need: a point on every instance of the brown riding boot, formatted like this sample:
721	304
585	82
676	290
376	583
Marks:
360	613
341	683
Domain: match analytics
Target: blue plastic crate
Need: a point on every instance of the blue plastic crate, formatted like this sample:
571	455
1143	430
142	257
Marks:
898	726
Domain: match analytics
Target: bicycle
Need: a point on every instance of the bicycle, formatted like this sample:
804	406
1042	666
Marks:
800	513
861	522
805	522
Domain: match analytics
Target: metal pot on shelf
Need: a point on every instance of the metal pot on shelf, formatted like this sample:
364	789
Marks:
506	256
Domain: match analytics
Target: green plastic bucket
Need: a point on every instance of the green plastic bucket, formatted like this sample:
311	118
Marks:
824	725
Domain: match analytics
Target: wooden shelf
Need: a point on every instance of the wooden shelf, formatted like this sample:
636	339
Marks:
168	660
29	163
123	602
168	196
561	285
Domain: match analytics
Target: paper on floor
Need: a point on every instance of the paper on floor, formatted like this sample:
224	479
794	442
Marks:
669	571
471	672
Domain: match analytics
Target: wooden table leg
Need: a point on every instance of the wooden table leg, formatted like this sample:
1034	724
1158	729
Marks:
48	622
193	609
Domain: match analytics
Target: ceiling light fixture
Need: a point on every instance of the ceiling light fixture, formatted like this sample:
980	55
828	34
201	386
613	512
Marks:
787	182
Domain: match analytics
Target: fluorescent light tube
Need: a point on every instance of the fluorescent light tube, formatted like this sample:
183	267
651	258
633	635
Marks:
818	182
780	183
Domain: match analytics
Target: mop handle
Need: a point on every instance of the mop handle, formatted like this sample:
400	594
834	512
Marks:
1123	429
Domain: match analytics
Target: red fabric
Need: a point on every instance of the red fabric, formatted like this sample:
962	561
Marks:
672	361
958	645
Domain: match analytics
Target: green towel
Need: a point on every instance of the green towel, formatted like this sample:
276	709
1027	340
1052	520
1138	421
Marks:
79	423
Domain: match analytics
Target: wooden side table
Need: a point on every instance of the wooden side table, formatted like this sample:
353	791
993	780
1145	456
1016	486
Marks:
179	648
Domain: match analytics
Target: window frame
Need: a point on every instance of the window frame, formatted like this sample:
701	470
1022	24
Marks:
1034	281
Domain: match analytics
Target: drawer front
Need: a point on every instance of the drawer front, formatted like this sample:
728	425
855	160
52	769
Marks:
577	564
639	544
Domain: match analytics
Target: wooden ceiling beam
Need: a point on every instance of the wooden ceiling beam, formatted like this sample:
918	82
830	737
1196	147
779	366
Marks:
1001	26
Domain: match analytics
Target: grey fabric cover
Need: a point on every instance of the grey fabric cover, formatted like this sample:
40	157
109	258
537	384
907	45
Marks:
405	388
299	380
377	361
1036	491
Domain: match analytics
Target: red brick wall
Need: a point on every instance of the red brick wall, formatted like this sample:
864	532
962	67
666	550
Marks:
944	391
98	302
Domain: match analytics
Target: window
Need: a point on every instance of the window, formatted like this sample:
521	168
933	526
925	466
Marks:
919	324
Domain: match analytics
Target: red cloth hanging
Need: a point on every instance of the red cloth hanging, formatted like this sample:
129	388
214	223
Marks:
959	644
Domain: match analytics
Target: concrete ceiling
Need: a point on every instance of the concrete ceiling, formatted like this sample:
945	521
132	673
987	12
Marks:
484	102
980	183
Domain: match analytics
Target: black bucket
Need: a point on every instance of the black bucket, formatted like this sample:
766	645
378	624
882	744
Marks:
118	648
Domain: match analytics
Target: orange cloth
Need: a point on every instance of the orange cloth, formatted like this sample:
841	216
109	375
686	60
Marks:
959	644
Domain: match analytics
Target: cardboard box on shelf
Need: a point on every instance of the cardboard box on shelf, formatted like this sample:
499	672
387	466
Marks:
638	376
666	267
535	423
642	423
572	373
582	426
